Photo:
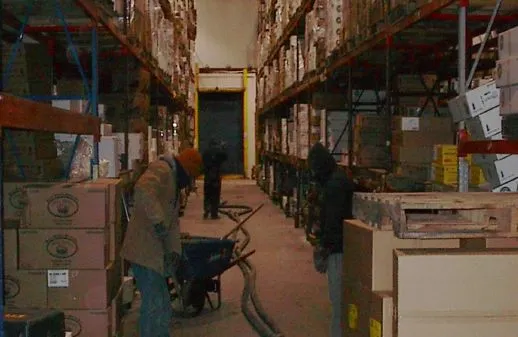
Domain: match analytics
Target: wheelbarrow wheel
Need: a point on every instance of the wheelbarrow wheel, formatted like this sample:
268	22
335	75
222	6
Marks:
192	299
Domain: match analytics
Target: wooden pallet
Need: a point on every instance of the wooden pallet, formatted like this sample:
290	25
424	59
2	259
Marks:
440	214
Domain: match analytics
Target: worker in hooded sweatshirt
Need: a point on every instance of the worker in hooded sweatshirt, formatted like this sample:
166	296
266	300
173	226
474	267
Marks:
152	244
213	159
335	204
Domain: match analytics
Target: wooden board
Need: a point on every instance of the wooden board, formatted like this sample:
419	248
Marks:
440	214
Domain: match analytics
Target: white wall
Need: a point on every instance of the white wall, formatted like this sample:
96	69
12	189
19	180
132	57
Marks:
226	34
234	80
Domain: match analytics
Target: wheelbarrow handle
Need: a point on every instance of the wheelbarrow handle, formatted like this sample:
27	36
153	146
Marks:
242	222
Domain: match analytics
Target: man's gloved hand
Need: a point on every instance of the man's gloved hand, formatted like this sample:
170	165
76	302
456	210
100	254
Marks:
320	256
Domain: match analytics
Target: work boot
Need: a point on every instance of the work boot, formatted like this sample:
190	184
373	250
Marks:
205	215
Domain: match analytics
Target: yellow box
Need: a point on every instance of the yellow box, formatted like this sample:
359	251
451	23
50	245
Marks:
446	154
446	174
476	176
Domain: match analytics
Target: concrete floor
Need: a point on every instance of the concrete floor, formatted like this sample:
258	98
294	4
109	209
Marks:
291	292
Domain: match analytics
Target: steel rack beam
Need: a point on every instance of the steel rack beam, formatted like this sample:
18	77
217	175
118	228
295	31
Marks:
487	147
19	113
100	18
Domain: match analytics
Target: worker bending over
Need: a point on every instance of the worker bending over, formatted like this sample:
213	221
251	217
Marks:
152	244
213	159
335	204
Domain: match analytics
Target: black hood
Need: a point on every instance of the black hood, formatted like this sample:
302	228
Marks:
321	162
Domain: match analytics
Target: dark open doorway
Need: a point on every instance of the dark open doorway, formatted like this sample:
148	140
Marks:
220	117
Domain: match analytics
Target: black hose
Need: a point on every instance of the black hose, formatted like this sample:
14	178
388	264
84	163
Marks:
263	324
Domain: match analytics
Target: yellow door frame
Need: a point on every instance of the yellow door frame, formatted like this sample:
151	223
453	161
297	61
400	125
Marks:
244	90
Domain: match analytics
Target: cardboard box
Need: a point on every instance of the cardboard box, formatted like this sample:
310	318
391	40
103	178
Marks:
84	289
509	101
114	214
485	125
63	249
10	249
455	292
25	289
89	323
368	254
15	200
381	314
452	282
508	43
356	310
501	171
77	205
475	102
506	72
511	186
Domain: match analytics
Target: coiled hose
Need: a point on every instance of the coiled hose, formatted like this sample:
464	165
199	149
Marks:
263	325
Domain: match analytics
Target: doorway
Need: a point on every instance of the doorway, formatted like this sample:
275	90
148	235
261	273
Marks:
220	117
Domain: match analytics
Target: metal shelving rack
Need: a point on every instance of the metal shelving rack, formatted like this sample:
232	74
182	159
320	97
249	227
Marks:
421	36
75	19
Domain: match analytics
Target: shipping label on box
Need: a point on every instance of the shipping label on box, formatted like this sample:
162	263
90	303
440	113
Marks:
485	125
63	249
81	205
25	288
84	289
475	102
507	72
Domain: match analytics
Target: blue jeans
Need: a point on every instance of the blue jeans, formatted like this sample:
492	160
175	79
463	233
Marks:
334	281
155	309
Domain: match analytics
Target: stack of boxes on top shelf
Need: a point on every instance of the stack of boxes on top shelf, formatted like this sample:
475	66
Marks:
62	243
480	109
507	82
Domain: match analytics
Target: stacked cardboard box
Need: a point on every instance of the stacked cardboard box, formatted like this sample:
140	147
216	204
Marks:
370	141
480	109
368	275
446	163
64	256
31	156
303	117
335	134
413	140
385	276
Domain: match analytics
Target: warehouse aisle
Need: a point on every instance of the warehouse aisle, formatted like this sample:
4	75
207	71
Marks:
290	290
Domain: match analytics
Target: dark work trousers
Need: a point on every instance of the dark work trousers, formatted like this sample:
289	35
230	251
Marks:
211	196
155	310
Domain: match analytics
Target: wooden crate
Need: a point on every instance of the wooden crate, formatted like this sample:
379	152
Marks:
440	214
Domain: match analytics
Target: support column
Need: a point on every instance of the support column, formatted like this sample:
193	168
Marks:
463	171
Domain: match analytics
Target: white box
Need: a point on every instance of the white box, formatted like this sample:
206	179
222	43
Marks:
511	186
485	125
109	149
106	129
74	105
475	102
501	171
507	72
509	100
508	43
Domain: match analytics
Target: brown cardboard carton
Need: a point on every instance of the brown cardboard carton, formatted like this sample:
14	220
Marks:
114	214
88	323
356	310
63	249
77	205
25	288
15	201
456	283
10	249
368	254
380	319
86	289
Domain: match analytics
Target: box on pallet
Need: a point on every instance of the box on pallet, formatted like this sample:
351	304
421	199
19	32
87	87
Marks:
501	171
509	101
507	72
508	43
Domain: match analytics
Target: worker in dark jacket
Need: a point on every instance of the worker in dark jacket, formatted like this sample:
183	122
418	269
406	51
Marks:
152	243
335	205
213	159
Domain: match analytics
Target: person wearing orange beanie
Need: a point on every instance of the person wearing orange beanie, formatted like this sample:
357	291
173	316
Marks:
152	243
